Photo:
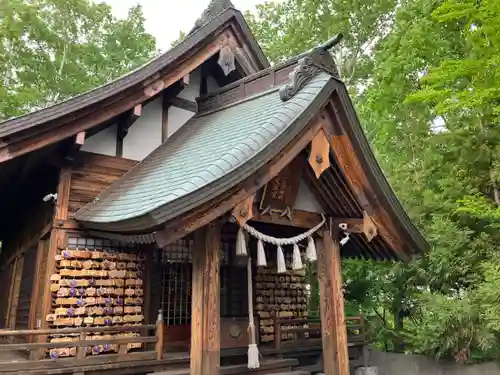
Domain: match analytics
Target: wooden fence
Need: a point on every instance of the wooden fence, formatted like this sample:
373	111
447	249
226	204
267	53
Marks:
308	331
35	350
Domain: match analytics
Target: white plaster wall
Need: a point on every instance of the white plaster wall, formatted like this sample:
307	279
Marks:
306	201
103	142
145	133
192	90
176	118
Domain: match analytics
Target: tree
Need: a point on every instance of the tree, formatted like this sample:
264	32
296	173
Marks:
51	50
425	85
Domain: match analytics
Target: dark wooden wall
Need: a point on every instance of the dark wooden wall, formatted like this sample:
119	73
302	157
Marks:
91	174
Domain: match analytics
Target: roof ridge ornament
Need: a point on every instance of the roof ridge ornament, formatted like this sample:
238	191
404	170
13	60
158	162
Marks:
299	77
329	44
316	60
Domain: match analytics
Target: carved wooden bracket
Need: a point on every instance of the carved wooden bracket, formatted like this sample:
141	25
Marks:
243	211
369	228
319	159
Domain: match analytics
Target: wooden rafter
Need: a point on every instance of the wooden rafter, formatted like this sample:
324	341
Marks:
349	164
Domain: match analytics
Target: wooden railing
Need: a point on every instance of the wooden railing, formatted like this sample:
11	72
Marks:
309	331
37	350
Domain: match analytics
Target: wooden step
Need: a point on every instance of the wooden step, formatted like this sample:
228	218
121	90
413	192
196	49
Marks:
275	366
296	372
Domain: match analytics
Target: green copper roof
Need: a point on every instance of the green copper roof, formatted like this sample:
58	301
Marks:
209	154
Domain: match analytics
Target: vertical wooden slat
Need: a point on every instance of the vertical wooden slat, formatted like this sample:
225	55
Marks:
37	284
333	327
205	318
14	296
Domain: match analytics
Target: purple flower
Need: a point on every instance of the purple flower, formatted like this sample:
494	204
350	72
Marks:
107	347
108	300
107	321
72	283
80	302
91	281
82	291
96	349
88	350
71	311
53	355
72	292
119	301
66	253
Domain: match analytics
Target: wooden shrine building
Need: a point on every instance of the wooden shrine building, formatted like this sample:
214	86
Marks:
148	223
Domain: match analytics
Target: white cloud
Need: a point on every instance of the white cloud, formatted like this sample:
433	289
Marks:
165	19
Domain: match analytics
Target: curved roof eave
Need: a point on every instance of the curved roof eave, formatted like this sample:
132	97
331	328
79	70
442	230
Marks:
159	216
135	77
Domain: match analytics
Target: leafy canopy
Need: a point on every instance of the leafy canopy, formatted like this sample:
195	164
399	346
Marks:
424	75
51	50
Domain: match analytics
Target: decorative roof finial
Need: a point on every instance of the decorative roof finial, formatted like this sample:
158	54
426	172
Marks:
298	78
215	8
330	43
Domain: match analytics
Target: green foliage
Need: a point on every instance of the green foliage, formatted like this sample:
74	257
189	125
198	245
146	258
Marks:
51	50
426	82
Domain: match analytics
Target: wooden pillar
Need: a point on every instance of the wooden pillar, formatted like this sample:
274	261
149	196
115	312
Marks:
57	241
205	315
333	326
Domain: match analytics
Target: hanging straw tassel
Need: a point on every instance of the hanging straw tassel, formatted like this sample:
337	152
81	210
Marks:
241	243
253	350
281	260
311	250
297	259
261	255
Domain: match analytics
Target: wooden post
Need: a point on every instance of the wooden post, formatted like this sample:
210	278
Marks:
57	241
205	316
333	326
81	350
160	329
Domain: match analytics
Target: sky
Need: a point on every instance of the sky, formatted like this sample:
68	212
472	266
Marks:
165	18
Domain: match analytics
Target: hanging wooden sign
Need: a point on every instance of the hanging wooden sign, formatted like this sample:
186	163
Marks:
279	195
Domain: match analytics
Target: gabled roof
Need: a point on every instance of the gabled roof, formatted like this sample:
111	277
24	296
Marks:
205	27
209	154
239	132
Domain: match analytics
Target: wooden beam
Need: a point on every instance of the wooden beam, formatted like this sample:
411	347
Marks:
124	124
164	116
333	327
57	241
79	141
182	103
205	316
300	219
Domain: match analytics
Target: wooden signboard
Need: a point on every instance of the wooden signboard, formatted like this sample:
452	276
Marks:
279	195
